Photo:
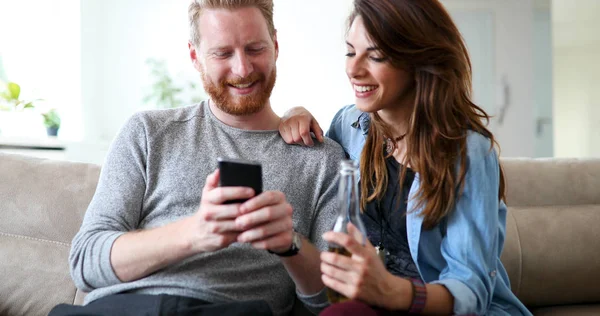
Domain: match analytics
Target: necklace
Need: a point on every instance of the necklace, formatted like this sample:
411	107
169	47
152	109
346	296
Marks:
390	144
380	248
382	252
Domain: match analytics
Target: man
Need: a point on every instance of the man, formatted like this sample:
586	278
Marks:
154	240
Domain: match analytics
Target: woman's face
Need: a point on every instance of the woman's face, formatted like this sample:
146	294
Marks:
377	84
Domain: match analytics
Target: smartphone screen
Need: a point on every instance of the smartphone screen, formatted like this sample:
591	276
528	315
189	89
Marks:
240	173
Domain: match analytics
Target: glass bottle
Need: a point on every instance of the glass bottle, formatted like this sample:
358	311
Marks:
348	212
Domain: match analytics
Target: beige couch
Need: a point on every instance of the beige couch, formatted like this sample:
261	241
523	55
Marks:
552	249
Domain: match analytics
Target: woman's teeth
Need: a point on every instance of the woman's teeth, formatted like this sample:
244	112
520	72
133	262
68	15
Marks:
364	88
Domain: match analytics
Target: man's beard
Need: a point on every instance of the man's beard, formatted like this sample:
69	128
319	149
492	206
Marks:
245	104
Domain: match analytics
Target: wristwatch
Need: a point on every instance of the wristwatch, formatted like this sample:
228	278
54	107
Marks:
294	248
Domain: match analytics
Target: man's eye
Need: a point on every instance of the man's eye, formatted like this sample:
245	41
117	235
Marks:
350	54
222	54
255	50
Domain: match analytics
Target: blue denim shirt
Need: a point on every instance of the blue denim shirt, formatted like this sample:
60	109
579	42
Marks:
463	251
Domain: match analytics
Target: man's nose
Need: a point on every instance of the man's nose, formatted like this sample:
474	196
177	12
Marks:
242	66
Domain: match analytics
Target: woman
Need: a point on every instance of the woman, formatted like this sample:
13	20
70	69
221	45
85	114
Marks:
432	186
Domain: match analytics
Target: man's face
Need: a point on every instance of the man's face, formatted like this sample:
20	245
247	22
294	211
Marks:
236	58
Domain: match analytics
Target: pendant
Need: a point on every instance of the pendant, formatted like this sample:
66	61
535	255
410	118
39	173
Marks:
381	252
389	146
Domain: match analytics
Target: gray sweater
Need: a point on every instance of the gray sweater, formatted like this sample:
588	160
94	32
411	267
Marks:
154	174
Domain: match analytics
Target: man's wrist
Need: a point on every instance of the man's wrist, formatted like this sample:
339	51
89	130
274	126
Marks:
292	250
280	250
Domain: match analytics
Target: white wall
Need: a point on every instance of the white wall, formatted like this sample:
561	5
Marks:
311	60
118	36
576	78
577	106
39	44
542	82
513	37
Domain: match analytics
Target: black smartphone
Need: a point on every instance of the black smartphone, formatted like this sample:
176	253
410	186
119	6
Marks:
240	173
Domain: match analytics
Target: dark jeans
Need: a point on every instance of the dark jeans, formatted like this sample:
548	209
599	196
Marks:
350	308
160	305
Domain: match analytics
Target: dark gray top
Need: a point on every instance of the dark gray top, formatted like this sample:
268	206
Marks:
385	221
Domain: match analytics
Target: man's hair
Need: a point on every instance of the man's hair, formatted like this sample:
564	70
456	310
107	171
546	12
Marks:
196	7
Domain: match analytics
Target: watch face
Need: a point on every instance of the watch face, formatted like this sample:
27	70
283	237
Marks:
296	241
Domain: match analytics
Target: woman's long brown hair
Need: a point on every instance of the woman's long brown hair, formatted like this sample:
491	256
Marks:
420	36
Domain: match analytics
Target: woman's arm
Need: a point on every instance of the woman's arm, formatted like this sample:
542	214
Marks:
474	233
364	277
400	296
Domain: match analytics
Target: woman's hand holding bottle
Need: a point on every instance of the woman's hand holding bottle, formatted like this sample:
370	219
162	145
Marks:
361	275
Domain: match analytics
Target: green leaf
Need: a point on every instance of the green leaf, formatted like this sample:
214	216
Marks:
28	105
5	95
14	90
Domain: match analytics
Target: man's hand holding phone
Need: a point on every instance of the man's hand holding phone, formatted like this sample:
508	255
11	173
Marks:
214	225
230	211
266	222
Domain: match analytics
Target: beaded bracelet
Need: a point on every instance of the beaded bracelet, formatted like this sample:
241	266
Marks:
419	296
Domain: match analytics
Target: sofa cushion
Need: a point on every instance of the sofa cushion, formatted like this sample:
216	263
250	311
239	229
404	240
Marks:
46	199
548	181
579	310
42	203
552	254
35	275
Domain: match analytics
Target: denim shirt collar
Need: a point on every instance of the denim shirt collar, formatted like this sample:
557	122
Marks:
363	122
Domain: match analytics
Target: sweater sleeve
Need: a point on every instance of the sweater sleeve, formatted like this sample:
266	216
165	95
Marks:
114	210
325	214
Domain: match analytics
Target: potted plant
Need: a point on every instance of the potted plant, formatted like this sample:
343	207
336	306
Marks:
165	92
52	122
10	98
17	111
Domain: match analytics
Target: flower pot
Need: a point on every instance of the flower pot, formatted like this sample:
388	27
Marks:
52	131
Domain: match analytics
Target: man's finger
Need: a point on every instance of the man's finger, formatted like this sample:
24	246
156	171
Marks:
221	227
264	199
222	212
219	195
263	215
265	231
212	181
278	241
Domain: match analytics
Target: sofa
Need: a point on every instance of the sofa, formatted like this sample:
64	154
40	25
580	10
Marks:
551	253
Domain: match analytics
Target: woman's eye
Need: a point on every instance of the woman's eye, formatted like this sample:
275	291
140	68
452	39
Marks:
378	59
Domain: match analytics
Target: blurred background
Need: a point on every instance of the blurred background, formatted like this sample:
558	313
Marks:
85	66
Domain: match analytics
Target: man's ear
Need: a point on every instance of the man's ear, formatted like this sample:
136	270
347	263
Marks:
194	56
276	45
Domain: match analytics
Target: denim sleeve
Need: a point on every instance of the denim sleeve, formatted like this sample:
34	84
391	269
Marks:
470	246
334	127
